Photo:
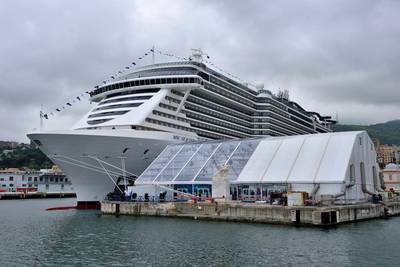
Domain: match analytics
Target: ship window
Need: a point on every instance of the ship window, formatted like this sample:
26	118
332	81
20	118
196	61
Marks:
141	82
126	84
185	80
191	80
111	113
179	80
136	83
97	121
174	80
146	82
168	80
152	81
131	84
162	81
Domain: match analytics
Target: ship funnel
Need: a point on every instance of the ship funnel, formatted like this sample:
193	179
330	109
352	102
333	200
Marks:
259	86
261	92
197	55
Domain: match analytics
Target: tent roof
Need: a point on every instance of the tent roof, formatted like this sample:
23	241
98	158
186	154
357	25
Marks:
313	158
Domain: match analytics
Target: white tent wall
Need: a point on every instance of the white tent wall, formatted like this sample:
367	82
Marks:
363	152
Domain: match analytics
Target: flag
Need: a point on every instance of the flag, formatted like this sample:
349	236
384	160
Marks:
87	92
112	77
78	98
145	54
127	68
45	116
69	104
104	82
58	109
96	86
133	63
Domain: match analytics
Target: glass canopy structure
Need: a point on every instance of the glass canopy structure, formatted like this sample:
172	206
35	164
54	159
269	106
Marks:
197	163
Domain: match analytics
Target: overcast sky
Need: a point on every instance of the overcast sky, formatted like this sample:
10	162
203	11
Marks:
335	57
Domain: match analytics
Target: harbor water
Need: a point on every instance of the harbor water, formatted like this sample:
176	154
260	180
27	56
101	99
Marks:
31	236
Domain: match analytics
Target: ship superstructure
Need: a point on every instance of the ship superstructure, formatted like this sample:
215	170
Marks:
192	99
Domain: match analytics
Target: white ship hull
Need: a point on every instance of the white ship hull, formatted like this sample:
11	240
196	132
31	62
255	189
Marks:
84	154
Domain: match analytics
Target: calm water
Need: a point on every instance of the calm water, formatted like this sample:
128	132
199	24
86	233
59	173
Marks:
31	236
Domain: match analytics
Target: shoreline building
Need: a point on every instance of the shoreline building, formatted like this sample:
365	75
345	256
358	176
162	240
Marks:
387	154
45	180
142	111
391	176
340	166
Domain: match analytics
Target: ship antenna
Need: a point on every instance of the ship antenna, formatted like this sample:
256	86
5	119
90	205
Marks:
153	54
41	117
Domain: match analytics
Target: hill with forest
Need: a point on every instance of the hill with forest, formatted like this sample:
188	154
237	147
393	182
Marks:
19	155
387	132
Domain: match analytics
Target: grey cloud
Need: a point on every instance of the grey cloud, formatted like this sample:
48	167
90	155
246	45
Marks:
334	56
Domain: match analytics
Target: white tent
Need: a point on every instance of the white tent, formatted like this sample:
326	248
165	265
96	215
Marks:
342	164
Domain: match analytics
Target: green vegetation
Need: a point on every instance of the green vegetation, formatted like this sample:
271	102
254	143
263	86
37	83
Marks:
14	155
387	133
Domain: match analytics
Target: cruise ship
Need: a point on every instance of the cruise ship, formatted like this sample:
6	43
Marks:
139	113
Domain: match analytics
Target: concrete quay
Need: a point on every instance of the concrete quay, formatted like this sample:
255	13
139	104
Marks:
252	212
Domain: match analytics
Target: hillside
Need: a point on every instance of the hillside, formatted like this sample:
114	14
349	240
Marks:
387	133
23	155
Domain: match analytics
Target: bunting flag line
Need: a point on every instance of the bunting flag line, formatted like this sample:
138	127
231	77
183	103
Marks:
68	103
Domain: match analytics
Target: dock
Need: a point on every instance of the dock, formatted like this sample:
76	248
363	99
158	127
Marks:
31	195
253	212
